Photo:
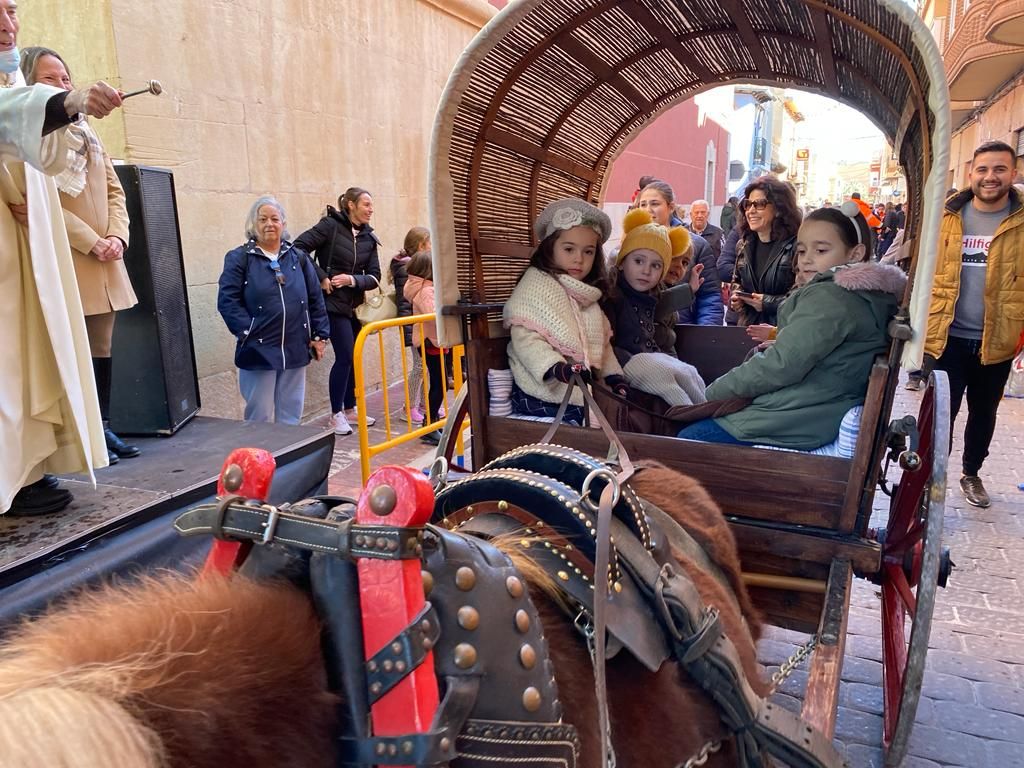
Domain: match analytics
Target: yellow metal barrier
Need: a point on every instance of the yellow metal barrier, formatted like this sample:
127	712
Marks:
368	451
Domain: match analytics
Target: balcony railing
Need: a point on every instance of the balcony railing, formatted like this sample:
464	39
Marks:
968	44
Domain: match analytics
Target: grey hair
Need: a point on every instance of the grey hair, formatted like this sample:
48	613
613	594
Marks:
250	220
30	60
701	202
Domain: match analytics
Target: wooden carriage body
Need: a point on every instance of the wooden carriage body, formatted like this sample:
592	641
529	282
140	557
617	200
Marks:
539	107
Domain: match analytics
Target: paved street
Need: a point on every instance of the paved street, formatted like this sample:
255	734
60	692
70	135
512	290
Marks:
972	708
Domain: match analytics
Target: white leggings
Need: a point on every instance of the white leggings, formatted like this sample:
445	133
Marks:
675	382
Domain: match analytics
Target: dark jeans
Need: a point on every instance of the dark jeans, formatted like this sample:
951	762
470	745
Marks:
709	431
342	382
528	405
983	385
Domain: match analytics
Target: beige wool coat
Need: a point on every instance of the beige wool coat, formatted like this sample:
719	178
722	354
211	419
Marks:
98	212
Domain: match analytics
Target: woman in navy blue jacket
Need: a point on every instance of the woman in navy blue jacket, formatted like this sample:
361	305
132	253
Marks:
270	298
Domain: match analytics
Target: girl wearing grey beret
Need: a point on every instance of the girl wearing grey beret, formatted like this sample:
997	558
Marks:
554	317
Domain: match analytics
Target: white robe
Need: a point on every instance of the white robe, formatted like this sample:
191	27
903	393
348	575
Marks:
49	413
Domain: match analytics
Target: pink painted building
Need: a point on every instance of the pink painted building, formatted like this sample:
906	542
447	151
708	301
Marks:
689	153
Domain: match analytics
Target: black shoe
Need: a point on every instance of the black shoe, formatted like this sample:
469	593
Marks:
38	499
50	481
112	458
434	438
119	446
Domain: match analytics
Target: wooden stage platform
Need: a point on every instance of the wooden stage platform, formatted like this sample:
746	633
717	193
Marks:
124	523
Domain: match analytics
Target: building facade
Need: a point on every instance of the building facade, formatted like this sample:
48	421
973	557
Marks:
982	44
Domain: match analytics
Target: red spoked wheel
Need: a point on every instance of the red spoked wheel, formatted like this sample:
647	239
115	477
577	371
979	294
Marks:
913	566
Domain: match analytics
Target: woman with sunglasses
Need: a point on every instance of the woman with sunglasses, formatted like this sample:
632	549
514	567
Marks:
269	296
763	275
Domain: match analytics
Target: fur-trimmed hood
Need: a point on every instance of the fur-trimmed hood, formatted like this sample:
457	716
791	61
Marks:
871	276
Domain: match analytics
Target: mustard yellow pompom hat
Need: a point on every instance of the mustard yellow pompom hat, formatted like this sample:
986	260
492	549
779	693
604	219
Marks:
642	232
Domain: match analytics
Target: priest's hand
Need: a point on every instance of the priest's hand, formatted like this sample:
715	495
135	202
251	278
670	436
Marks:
19	212
97	100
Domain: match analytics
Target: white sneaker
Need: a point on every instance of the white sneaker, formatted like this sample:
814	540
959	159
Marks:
341	425
354	416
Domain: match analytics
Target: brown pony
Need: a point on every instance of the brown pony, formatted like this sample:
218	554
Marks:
216	672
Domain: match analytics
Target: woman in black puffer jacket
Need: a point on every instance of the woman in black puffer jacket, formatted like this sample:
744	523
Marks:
347	263
763	274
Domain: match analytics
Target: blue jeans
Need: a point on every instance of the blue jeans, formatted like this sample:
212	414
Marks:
709	431
273	395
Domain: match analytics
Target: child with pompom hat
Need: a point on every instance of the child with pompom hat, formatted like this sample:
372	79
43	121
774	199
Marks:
644	257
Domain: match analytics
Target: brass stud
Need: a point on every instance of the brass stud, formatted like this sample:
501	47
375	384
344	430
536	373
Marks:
381	542
427	643
400	666
425	625
531	699
392	749
502	505
468	617
465	578
371	665
360	540
465	655
392	545
388	665
375	688
514	586
563	575
381	748
618	586
406	747
383	500
524	543
232	478
396	648
527	656
445	744
428	582
522	621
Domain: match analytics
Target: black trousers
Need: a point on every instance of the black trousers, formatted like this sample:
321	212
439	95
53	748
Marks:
435	390
983	385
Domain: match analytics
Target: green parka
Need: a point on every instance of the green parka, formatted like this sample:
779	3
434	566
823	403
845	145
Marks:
829	334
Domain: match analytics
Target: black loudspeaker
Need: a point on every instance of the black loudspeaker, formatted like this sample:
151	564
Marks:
155	387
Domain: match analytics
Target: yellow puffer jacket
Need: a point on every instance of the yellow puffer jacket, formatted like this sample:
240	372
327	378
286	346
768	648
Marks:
1004	282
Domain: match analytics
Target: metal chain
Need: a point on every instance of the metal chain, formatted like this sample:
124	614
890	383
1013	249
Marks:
702	756
792	663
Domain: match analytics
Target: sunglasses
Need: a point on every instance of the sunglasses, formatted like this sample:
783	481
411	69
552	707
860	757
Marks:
278	274
757	205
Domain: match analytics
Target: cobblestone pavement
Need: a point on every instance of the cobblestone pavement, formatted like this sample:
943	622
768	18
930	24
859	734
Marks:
972	706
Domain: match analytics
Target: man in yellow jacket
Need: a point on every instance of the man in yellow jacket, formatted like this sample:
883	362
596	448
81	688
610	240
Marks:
977	308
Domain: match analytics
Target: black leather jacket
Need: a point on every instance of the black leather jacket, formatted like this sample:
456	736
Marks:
337	251
774	282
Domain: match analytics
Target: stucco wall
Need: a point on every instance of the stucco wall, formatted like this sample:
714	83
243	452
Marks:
299	99
673	148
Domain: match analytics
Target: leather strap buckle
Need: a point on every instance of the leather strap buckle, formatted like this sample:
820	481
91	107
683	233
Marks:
270	527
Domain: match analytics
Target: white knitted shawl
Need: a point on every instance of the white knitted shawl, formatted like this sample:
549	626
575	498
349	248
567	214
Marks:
564	312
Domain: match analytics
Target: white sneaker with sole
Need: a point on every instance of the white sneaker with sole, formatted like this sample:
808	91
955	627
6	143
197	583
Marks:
353	416
341	425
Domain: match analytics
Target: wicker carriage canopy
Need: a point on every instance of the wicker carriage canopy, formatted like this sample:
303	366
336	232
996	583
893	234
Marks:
551	91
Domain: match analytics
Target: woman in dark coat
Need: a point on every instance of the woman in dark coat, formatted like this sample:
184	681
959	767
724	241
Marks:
348	265
271	302
764	273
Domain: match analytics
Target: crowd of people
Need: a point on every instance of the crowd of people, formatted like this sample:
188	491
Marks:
817	291
813	290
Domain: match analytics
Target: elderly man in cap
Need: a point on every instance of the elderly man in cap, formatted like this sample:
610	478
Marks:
49	416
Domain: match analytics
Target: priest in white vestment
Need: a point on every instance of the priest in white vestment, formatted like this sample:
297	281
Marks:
49	415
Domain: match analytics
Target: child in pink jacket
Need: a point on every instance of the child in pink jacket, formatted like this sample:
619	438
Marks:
419	289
